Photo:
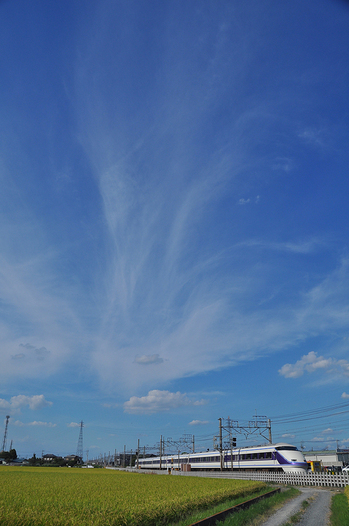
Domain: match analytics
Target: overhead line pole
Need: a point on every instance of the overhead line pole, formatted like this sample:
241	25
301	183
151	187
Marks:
220	443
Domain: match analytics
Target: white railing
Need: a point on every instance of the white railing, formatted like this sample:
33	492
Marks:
293	479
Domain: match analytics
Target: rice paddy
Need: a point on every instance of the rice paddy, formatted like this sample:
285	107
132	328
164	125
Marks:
84	497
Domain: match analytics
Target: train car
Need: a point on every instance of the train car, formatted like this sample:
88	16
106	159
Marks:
272	457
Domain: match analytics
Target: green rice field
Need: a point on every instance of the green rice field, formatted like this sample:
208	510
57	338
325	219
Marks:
31	496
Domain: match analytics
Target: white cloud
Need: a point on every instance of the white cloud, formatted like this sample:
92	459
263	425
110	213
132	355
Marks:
311	363
74	424
196	336
35	424
344	395
243	201
288	435
198	422
149	359
19	402
157	401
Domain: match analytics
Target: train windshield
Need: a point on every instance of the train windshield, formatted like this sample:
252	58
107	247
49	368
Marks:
286	448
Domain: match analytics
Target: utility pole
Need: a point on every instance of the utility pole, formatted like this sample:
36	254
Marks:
220	442
269	427
160	451
138	454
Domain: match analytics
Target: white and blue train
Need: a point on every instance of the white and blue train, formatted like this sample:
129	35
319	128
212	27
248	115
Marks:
272	457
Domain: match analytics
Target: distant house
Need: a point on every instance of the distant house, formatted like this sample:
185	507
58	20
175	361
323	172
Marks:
49	457
73	458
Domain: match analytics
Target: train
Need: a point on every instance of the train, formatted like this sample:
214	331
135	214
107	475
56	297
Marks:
271	457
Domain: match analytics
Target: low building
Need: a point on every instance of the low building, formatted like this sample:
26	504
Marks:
49	457
73	458
330	459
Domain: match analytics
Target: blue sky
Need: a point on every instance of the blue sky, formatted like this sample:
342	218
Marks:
174	221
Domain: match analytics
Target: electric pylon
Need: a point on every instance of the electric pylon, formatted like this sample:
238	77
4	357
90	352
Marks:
80	450
5	434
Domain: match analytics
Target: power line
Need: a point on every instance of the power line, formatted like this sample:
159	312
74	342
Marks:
322	412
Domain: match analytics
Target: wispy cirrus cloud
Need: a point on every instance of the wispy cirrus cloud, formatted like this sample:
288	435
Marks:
156	275
313	136
302	247
148	359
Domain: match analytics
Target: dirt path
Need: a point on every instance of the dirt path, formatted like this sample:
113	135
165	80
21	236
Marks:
316	514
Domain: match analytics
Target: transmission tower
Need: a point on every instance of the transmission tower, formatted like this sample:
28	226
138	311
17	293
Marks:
5	434
80	450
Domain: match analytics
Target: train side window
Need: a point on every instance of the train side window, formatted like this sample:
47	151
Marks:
268	455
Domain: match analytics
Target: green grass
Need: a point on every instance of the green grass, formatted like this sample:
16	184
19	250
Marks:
204	513
340	509
249	516
260	511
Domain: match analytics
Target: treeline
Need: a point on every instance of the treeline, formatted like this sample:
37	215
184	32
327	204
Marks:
55	462
8	455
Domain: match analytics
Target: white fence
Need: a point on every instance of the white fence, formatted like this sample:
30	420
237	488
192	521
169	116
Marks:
294	479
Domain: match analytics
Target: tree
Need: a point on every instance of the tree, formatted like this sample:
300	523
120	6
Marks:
33	461
9	455
13	454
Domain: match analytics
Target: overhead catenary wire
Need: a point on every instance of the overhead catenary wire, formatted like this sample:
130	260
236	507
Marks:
312	414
